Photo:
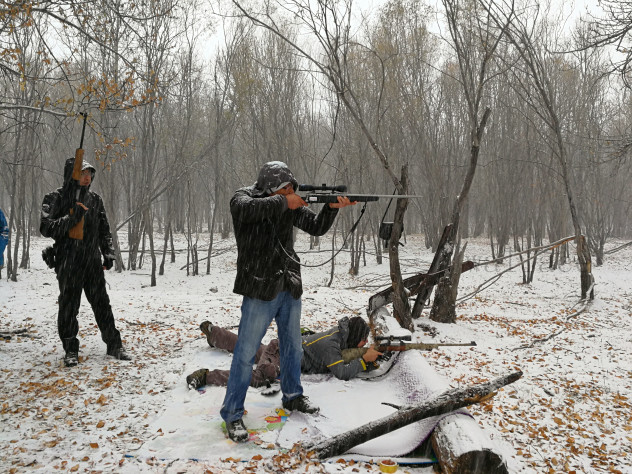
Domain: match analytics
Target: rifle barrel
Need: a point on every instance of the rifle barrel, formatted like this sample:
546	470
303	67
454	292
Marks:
422	346
83	130
396	196
333	197
356	352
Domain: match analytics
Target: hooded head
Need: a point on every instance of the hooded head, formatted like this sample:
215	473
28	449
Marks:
358	331
69	166
273	176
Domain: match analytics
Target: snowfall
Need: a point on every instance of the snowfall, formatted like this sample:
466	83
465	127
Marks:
570	411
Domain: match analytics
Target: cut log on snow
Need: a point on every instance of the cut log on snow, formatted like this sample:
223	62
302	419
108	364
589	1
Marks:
444	403
462	447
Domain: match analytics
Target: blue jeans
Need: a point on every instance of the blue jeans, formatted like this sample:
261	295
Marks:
256	316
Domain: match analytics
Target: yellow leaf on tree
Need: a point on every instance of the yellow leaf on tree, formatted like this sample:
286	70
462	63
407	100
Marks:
101	424
94	445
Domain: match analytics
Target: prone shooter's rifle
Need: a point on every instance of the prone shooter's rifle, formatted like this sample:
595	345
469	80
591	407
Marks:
76	232
396	344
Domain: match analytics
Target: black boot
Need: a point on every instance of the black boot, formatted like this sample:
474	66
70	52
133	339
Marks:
206	327
71	358
197	379
302	404
119	353
237	431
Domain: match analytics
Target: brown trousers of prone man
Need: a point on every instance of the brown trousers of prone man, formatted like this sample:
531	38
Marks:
267	358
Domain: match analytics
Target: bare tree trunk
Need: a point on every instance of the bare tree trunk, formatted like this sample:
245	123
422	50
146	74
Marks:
141	256
355	253
333	258
401	306
212	230
173	249
445	295
164	250
120	264
444	311
152	251
377	245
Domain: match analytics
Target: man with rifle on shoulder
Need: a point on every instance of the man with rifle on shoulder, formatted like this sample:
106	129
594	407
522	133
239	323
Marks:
75	217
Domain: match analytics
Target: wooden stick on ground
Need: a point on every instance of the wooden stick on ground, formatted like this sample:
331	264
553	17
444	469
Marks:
444	403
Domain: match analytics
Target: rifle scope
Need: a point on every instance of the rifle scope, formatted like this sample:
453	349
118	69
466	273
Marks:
387	339
309	187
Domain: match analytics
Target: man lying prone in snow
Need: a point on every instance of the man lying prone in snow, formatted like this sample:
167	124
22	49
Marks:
322	353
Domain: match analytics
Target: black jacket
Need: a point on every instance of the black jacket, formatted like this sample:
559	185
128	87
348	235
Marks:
266	260
73	255
322	353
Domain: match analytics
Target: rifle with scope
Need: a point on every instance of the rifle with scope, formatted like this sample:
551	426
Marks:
327	194
396	344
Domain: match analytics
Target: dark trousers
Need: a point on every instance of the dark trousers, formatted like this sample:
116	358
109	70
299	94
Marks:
92	281
267	359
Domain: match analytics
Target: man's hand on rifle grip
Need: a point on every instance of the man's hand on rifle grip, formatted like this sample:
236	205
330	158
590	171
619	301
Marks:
371	354
294	201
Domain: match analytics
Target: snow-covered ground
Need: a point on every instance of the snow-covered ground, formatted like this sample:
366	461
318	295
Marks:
571	410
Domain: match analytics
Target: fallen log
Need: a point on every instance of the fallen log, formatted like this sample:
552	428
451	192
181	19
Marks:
405	415
462	446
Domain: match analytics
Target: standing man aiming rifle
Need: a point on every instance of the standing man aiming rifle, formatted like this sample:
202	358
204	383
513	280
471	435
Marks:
75	217
269	278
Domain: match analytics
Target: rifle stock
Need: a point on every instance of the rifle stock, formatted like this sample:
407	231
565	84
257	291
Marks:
356	352
76	232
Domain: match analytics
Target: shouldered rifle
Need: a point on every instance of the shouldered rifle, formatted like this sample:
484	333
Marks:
396	344
76	232
326	194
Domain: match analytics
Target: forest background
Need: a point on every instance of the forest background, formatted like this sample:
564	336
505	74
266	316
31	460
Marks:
186	99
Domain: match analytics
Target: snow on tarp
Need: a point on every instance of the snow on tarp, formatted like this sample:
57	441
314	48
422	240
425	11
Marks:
347	405
190	427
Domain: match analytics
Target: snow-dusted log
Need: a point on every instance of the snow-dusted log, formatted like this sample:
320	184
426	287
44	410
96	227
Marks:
462	447
405	415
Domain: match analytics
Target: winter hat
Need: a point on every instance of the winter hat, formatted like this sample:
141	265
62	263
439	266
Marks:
273	176
87	166
358	331
70	164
